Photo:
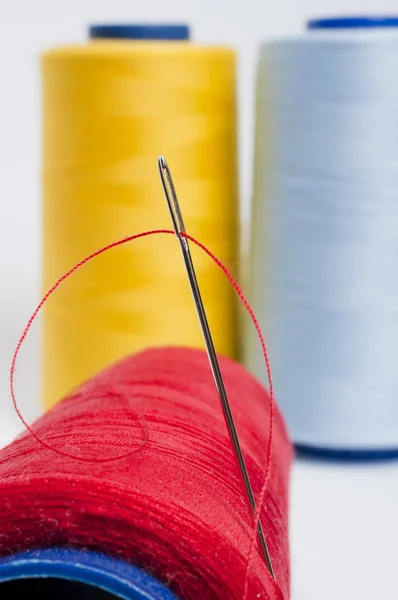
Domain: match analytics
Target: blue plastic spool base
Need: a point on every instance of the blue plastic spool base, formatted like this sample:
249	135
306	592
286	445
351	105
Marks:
346	454
140	32
90	575
353	22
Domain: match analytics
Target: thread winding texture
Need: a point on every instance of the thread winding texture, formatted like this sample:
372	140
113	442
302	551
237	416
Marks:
325	242
109	109
176	506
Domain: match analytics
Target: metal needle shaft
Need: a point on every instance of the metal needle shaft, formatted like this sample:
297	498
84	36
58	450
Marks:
178	224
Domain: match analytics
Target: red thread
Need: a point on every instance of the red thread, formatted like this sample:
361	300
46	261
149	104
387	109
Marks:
177	508
88	259
108	395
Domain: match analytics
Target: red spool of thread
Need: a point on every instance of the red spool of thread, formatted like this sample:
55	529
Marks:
173	502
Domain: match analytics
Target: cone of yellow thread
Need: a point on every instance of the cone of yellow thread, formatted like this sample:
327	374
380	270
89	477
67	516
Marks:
110	108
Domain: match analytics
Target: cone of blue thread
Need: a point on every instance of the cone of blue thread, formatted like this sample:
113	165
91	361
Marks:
64	572
347	23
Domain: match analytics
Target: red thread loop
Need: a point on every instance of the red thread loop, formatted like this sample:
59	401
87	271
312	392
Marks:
239	292
88	259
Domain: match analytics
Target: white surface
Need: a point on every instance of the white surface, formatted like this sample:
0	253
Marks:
344	531
344	521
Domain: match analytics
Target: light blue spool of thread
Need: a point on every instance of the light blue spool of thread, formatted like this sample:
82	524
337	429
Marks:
324	264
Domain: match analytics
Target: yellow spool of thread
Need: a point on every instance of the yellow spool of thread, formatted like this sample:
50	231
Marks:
110	108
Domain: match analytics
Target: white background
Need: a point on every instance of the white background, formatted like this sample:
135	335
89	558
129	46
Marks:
344	519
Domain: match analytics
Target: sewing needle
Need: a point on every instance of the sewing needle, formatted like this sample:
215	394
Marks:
179	228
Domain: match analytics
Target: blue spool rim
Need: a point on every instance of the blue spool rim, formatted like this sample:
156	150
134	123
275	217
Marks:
111	575
177	32
353	22
349	455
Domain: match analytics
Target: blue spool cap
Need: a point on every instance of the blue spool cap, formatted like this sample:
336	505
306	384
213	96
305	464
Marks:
140	32
65	573
352	22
